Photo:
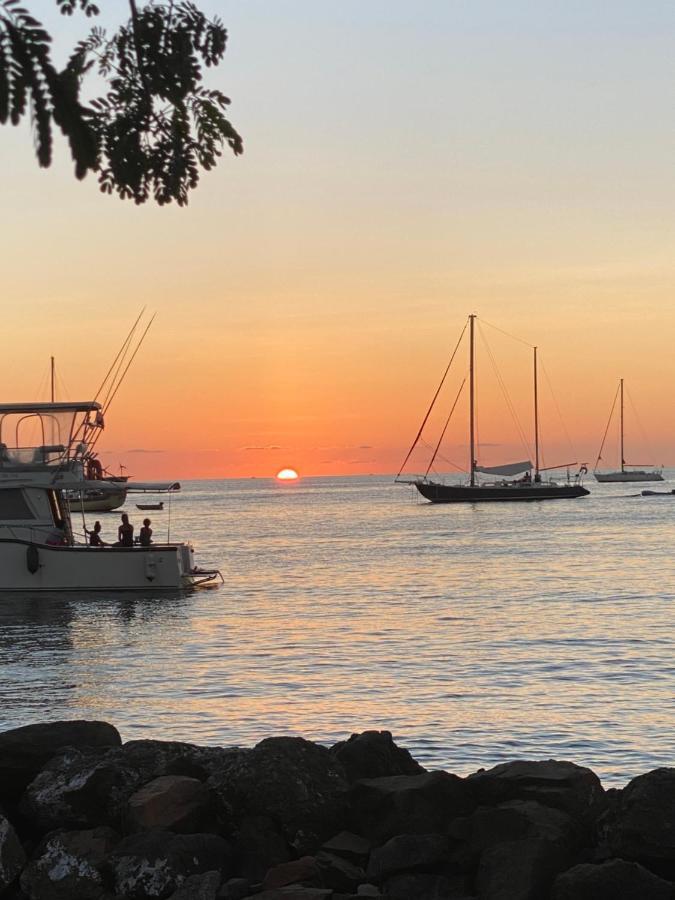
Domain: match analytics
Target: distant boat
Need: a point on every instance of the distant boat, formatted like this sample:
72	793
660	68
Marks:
159	505
624	474
531	486
658	493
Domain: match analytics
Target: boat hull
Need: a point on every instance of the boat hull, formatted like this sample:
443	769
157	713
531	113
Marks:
464	493
104	502
30	567
622	477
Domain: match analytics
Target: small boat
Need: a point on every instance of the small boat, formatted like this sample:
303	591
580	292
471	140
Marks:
40	549
657	493
150	506
530	486
624	474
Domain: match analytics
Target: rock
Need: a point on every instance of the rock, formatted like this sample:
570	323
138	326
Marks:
84	789
562	785
24	751
407	852
350	846
368	890
198	887
409	804
295	782
516	820
12	856
156	863
641	825
373	754
67	865
519	870
299	871
613	880
258	847
235	889
424	886
294	892
172	802
338	873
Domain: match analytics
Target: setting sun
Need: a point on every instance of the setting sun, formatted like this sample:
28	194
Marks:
287	475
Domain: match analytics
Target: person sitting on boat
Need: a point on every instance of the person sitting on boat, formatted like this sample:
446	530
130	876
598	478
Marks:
95	539
527	478
125	533
145	534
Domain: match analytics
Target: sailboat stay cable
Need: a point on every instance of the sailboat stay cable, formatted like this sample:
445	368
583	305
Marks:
506	334
558	410
609	422
431	406
507	398
447	422
643	433
119	353
122	356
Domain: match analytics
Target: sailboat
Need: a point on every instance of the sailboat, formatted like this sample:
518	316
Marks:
531	486
623	474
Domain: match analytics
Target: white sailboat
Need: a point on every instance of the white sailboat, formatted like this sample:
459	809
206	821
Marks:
44	449
624	474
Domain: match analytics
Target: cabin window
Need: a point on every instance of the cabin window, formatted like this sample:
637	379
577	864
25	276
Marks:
56	508
13	505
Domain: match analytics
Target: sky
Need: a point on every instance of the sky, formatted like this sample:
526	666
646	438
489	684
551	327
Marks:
406	164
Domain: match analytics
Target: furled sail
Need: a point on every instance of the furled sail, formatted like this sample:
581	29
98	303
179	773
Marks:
508	469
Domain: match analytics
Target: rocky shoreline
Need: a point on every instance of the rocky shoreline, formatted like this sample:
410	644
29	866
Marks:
85	817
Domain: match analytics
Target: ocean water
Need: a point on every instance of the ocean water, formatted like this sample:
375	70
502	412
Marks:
474	633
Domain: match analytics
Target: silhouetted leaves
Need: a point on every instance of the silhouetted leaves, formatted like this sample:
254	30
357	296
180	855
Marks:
155	128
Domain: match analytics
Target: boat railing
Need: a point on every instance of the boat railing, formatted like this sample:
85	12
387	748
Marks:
49	455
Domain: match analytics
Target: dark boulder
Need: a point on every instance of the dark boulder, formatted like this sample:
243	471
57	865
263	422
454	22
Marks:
198	887
349	846
409	804
303	871
155	864
12	856
338	873
516	820
406	853
641	823
68	865
519	870
85	789
259	845
172	802
425	886
295	782
562	785
613	880
25	751
373	754
235	889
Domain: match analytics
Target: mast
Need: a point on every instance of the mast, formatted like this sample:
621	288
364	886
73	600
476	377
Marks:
472	389
622	459
52	378
536	421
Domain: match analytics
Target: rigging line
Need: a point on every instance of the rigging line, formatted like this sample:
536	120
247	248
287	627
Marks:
506	333
507	397
122	359
558	410
431	406
643	433
609	422
114	362
447	422
122	377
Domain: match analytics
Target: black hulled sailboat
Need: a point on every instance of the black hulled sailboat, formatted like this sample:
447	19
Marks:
530	486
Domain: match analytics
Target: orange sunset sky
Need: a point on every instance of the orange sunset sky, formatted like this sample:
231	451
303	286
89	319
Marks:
406	163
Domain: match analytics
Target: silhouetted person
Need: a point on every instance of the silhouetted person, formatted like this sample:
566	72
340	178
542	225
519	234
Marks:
125	533
95	539
145	534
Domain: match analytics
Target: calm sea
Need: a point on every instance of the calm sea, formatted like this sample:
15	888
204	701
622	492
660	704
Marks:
475	634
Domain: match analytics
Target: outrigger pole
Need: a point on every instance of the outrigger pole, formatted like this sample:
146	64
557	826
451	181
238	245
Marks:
536	420
472	391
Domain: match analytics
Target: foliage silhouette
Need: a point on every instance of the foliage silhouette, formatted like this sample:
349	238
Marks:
156	126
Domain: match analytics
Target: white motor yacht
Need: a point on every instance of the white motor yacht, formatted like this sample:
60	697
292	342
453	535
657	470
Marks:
44	448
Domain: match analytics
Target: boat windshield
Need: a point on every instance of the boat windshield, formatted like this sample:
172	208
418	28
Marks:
46	434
